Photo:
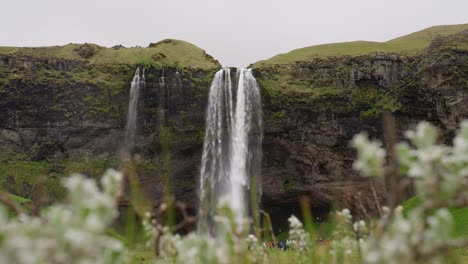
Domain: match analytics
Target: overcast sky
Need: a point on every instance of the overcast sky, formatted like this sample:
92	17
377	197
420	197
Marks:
236	32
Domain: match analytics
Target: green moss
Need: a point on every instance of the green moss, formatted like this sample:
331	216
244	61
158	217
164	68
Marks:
279	114
21	177
105	90
25	178
148	167
19	199
88	166
373	102
284	91
184	184
289	185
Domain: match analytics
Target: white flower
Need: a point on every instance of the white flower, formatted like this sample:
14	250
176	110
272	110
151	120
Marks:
298	238
424	136
371	156
65	233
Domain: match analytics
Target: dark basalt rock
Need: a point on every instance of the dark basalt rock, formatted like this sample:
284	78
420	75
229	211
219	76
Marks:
306	143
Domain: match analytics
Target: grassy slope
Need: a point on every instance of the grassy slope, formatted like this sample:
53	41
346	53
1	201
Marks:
19	199
16	172
164	53
460	216
8	50
410	44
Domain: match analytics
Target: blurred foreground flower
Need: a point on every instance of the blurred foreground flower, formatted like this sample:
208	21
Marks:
73	232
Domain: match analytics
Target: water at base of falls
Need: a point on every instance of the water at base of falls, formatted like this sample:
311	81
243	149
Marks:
230	169
138	83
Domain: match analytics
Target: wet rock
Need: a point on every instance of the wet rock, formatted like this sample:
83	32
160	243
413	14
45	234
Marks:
10	136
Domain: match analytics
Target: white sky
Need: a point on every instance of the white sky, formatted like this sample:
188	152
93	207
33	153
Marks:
236	32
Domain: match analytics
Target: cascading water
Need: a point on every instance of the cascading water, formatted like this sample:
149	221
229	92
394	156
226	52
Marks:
162	97
138	83
178	80
232	147
176	100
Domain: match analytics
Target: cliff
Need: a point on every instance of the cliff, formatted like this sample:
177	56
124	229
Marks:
316	101
63	110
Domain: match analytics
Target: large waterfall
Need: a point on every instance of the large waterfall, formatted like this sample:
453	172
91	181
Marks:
230	170
138	83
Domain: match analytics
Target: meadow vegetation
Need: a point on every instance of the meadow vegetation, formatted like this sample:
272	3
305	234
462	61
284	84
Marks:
426	229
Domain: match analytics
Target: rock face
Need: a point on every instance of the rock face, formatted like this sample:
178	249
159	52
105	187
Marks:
87	118
313	108
61	109
66	112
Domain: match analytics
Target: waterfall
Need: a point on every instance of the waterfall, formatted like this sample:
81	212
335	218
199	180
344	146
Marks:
164	101
176	100
232	147
178	80
138	83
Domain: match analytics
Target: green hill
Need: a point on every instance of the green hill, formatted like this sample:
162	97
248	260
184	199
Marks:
168	52
410	44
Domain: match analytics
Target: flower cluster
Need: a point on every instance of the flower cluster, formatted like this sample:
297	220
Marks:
298	238
66	233
440	175
371	156
231	244
419	236
75	232
347	236
407	238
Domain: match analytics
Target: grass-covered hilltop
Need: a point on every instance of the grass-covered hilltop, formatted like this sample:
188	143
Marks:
410	44
168	52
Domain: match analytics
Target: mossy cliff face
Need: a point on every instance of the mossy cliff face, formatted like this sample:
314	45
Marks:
313	107
63	110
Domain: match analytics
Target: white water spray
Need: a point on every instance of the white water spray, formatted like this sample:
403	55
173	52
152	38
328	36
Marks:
138	83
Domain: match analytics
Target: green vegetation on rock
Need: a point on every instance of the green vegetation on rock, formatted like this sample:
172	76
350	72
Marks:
285	89
26	178
360	78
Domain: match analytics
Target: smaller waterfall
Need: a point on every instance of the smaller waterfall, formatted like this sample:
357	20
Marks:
163	99
138	83
178	80
177	94
176	101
